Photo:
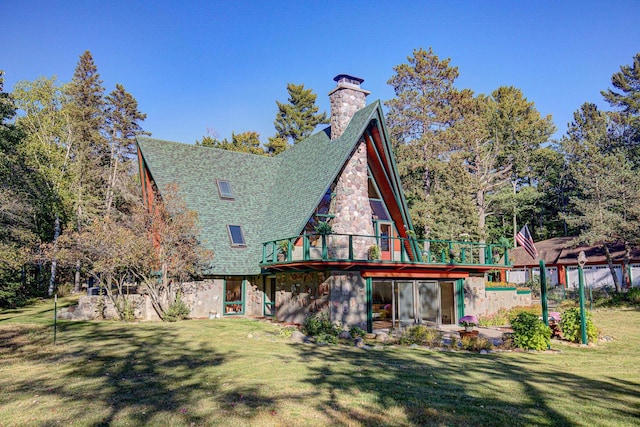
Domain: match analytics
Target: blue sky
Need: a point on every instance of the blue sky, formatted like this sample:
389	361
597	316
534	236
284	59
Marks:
196	66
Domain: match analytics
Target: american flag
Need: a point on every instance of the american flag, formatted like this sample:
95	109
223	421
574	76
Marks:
526	241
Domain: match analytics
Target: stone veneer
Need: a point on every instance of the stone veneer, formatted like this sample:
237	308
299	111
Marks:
352	209
479	300
348	299
346	98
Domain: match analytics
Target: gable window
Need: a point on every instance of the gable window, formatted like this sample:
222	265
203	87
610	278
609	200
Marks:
224	188
236	235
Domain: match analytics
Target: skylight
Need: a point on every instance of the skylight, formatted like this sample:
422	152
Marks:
236	235
224	188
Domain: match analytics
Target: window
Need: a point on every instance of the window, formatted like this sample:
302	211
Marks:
224	188
236	235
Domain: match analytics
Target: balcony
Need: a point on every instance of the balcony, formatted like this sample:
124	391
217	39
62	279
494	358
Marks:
382	250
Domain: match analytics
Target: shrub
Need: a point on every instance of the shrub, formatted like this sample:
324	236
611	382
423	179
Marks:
64	289
476	343
530	333
515	311
357	331
455	341
572	328
421	335
179	310
633	295
320	327
499	318
327	338
286	332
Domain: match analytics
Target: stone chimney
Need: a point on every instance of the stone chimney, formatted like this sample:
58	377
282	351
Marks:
347	98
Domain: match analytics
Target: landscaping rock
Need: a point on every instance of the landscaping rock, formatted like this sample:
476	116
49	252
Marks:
358	342
382	337
298	337
345	335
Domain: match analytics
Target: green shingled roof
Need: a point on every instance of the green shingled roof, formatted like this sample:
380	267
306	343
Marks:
274	196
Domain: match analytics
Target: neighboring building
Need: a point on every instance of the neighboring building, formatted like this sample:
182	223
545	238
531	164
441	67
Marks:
561	262
259	215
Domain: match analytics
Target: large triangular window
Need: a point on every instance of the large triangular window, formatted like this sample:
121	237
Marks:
377	204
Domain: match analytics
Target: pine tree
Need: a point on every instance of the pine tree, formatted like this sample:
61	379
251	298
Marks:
91	151
419	119
122	124
606	206
297	119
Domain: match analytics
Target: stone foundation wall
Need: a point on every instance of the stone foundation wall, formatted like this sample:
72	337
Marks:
349	299
301	294
96	307
204	297
254	303
479	300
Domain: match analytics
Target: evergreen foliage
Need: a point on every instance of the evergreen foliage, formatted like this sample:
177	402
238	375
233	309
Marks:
297	118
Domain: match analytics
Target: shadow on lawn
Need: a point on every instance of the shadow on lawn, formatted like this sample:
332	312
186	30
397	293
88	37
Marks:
438	388
132	374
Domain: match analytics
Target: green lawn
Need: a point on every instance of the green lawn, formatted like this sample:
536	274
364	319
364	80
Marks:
240	372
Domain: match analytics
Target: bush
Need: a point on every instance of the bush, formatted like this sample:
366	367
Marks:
421	335
515	311
572	328
179	310
633	295
476	343
64	289
321	328
530	333
499	318
357	331
286	332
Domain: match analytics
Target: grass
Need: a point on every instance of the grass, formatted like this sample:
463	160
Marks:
240	372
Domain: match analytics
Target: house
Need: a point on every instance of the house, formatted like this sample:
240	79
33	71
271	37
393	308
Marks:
267	219
561	261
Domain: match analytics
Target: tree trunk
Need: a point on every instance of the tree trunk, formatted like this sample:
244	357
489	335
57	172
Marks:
612	268
76	278
515	218
54	261
626	281
482	217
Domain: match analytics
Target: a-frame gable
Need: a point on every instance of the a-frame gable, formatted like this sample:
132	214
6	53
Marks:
384	170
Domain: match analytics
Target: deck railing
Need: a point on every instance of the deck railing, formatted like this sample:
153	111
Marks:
349	247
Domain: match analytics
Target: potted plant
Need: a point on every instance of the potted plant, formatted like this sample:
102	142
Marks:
323	228
374	252
468	322
283	250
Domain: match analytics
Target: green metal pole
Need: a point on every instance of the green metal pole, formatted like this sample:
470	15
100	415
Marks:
543	293
55	318
583	319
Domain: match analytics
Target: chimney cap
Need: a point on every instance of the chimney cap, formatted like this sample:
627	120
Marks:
346	78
